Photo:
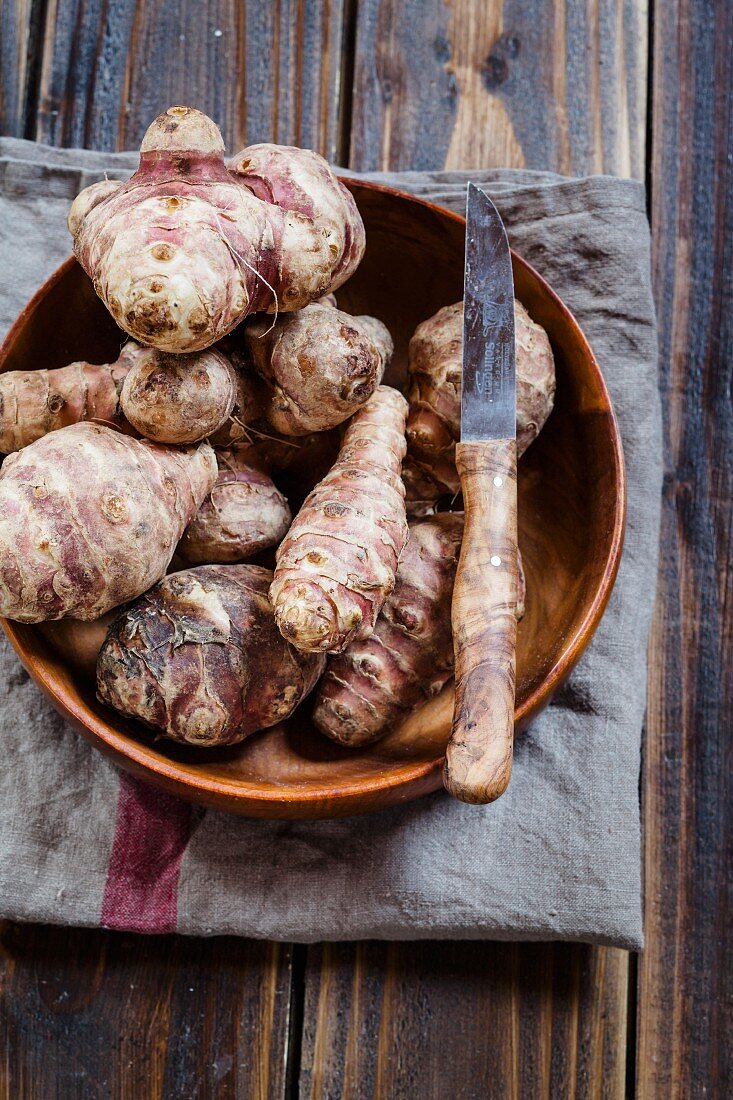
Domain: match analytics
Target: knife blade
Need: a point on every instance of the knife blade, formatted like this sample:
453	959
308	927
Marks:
479	755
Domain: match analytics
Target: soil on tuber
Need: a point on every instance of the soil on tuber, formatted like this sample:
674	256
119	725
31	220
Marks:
187	248
90	518
200	659
337	564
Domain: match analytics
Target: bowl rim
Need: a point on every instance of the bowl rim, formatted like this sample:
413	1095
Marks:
350	796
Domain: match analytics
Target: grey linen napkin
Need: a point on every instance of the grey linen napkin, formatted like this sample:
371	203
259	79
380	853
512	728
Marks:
557	858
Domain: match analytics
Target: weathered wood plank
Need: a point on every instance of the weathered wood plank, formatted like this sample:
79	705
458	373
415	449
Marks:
264	72
465	1020
685	1015
545	85
550	84
97	1014
19	23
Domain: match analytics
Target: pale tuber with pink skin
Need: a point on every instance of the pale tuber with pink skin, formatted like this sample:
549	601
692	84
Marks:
199	658
90	518
317	366
337	564
303	183
245	513
188	248
179	398
377	682
434	393
35	402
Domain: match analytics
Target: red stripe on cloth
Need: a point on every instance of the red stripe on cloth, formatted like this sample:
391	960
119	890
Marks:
151	835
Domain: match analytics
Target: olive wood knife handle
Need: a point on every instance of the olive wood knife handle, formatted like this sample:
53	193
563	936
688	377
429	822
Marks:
478	761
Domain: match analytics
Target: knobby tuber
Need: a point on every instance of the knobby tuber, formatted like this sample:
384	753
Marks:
240	426
90	518
35	402
434	393
187	248
380	680
318	365
319	207
245	513
179	398
337	564
199	658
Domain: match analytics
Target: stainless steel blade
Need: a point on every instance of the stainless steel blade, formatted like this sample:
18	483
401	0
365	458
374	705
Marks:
488	395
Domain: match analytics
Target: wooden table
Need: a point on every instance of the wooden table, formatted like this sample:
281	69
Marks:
577	86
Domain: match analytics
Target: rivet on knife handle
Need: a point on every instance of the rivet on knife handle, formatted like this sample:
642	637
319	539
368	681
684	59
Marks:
478	761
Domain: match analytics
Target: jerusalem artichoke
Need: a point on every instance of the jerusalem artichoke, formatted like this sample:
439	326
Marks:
244	514
90	518
179	398
35	402
434	393
302	182
337	564
318	366
199	658
187	248
378	681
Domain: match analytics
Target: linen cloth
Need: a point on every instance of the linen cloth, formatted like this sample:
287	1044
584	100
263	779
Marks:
558	857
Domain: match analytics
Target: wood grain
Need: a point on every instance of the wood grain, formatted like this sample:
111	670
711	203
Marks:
465	1020
478	761
462	85
264	72
685	1017
548	84
556	84
97	1014
19	25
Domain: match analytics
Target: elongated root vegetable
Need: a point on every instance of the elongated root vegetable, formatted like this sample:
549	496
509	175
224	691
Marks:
179	398
199	658
90	518
245	513
35	402
186	249
434	393
378	681
318	366
337	564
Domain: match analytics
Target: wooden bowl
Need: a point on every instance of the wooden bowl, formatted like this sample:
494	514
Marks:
571	518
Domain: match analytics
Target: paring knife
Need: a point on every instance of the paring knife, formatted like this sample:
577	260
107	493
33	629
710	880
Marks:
478	761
